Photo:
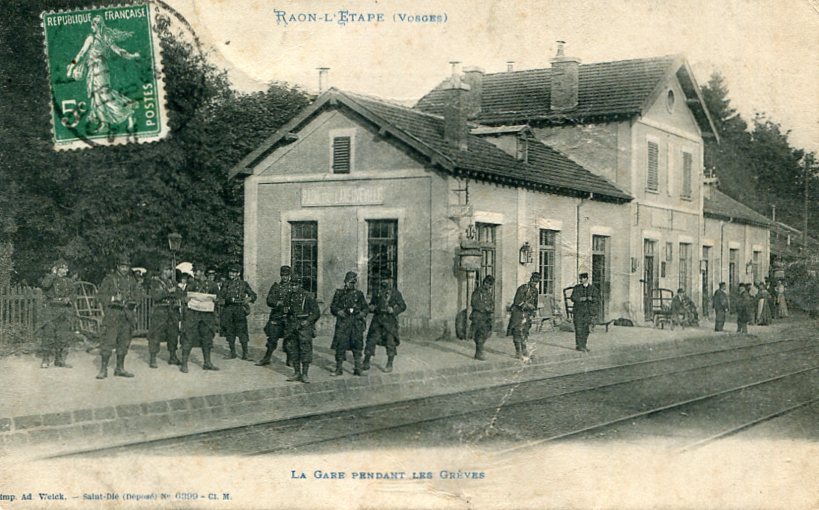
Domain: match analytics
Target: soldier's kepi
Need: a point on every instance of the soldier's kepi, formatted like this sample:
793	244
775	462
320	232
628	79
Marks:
523	310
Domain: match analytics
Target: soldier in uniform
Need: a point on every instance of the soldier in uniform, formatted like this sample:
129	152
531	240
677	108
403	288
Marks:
523	308
300	328
274	329
482	315
119	295
350	309
165	314
235	298
58	291
386	304
585	299
199	326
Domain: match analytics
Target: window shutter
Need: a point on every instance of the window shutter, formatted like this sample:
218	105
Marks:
341	155
652	181
686	175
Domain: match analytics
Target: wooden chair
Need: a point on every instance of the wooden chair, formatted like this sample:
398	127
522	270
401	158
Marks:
549	311
661	307
88	312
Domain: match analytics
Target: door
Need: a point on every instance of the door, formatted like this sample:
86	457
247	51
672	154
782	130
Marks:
707	290
600	272
649	275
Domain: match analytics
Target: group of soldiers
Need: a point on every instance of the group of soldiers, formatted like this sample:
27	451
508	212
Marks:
188	308
585	300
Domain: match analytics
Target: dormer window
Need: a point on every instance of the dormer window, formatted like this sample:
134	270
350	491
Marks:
522	149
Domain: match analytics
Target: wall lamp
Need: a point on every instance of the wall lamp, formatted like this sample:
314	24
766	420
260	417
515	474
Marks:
525	254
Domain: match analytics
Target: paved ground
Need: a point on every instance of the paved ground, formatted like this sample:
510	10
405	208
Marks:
26	389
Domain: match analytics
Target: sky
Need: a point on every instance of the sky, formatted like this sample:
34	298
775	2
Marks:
767	50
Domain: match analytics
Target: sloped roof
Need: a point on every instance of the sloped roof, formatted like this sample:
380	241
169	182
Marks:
721	206
547	170
606	91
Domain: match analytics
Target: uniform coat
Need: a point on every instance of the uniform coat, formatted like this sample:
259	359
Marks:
350	309
233	296
483	313
118	294
276	300
585	303
59	311
300	325
165	314
523	309
384	324
199	327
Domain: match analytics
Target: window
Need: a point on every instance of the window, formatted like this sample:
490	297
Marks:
382	252
685	267
670	100
487	237
547	260
601	274
341	154
652	180
669	252
304	253
522	148
686	189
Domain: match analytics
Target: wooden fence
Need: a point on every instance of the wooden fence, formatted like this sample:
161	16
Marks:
19	312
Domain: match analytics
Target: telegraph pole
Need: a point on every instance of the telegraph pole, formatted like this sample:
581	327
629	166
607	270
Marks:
808	161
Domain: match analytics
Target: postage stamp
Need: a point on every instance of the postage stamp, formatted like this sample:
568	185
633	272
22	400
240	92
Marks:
104	68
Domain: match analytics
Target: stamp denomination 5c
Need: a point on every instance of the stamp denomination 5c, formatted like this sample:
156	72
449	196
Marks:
104	68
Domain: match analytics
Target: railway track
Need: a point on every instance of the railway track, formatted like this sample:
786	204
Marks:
518	415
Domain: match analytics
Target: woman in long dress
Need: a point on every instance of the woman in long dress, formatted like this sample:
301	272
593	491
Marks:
763	308
781	303
108	106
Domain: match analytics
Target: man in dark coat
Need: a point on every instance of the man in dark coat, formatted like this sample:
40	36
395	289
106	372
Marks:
721	305
349	306
482	315
274	329
386	304
199	323
118	294
235	297
300	328
165	314
523	309
58	291
585	300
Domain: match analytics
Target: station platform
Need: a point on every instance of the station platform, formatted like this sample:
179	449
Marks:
47	411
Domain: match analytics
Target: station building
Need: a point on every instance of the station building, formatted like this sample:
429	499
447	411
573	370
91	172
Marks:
578	168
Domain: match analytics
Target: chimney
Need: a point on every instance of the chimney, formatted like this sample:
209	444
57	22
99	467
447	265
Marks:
456	131
510	66
564	80
323	80
473	76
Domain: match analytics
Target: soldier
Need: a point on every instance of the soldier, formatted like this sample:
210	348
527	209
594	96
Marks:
58	291
165	314
350	308
585	299
235	298
199	322
483	312
523	308
300	328
118	294
274	329
386	304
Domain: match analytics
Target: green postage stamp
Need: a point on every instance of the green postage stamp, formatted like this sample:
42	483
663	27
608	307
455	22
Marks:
104	68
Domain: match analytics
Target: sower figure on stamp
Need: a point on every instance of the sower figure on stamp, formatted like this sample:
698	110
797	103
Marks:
721	306
585	301
118	295
165	314
386	304
300	328
523	310
274	329
482	315
199	323
235	296
349	306
57	333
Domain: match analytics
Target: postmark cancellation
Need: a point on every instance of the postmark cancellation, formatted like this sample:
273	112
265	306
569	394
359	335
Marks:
105	73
